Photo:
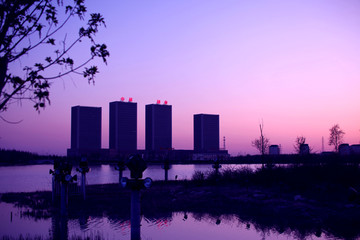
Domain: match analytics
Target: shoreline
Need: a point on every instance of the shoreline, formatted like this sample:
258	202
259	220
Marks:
20	158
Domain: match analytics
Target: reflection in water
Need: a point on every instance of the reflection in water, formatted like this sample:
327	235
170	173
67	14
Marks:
184	225
15	221
59	225
83	221
104	174
160	221
25	178
135	214
177	225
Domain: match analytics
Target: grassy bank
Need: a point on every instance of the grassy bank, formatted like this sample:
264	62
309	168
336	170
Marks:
305	199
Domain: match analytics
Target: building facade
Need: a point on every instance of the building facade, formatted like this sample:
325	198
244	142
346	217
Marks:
344	149
206	133
304	149
86	128
274	150
158	127
123	126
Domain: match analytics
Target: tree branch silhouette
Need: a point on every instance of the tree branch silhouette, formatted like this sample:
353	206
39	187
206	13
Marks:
19	21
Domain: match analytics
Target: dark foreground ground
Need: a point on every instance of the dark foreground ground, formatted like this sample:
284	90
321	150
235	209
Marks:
307	200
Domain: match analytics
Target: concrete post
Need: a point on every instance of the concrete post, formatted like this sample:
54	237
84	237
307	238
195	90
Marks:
217	166
83	169
120	167
53	189
63	203
137	166
120	175
135	214
83	184
166	174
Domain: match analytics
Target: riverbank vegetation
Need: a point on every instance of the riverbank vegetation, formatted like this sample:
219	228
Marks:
14	157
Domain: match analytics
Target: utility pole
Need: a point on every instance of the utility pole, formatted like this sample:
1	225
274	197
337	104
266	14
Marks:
166	166
55	180
120	167
66	179
83	169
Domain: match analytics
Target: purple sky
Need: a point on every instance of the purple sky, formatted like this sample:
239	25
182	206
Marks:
295	65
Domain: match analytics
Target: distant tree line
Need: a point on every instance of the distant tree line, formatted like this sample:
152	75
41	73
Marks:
335	139
14	157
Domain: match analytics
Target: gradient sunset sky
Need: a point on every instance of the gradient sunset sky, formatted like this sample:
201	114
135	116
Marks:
295	65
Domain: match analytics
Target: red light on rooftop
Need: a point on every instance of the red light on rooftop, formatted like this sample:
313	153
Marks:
158	101
122	99
165	102
130	99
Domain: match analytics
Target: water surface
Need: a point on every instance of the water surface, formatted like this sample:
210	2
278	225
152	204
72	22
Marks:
37	178
175	226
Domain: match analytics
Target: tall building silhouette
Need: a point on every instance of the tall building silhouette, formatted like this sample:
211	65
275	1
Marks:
158	127
123	126
206	132
86	128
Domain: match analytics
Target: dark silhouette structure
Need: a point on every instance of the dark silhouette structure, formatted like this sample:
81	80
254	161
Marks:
158	127
137	166
86	134
123	126
83	169
304	149
86	128
274	150
206	132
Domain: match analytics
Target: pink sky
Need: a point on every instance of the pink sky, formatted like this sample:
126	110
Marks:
295	65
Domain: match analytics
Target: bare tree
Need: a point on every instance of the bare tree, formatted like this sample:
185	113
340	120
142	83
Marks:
336	136
262	143
29	25
300	140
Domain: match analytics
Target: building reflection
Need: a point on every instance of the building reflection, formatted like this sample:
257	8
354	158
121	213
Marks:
161	221
154	223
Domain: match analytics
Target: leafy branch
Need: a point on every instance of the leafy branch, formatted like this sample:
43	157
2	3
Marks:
19	21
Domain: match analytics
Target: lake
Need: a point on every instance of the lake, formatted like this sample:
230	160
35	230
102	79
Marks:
174	225
37	178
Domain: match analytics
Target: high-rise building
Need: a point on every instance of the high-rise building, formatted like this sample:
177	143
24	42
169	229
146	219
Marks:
158	127
123	126
206	132
86	128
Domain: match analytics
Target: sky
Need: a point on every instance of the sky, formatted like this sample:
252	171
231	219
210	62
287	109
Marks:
292	65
